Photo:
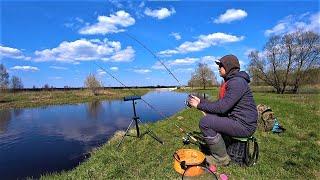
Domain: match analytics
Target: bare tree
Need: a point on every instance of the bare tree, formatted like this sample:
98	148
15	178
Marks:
307	55
193	81
203	76
92	83
46	87
4	77
285	60
16	83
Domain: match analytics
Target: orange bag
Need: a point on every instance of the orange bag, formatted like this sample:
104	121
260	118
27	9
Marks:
188	158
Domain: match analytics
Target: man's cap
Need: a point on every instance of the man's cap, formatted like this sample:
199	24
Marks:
229	62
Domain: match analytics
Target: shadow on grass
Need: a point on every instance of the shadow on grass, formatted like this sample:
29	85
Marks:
5	101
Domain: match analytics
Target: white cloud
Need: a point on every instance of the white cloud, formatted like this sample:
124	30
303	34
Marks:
261	54
109	24
184	70
114	68
79	20
291	23
168	52
116	3
177	62
142	71
277	29
87	50
25	68
101	72
74	23
173	64
203	41
55	78
124	55
184	61
209	59
231	15
58	67
158	65
12	53
142	4
177	36
159	13
135	7
242	63
248	51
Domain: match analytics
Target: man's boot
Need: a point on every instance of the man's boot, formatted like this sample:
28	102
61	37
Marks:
218	151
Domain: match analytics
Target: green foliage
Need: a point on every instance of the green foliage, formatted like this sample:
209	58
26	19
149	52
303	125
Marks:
294	154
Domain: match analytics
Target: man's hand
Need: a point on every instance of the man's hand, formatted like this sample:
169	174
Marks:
194	101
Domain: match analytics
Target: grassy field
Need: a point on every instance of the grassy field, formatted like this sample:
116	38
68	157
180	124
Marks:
43	98
294	154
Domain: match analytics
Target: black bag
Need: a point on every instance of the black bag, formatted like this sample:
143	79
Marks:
244	153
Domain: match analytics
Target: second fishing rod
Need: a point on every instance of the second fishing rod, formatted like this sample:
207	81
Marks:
148	104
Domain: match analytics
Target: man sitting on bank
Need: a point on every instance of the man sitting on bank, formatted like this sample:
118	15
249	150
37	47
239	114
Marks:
233	114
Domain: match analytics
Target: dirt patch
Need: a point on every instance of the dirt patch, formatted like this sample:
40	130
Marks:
180	118
116	137
302	136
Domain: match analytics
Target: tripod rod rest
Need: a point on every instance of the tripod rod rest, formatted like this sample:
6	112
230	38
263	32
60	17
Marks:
131	98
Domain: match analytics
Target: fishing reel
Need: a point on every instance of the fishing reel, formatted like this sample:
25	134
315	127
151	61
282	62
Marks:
193	138
186	140
186	102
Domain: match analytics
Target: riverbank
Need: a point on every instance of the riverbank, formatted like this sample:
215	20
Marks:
44	98
293	154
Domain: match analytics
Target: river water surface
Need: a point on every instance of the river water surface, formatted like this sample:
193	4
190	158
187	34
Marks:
34	141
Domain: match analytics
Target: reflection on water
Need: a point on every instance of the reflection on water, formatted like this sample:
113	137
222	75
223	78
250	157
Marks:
17	112
94	108
34	141
5	117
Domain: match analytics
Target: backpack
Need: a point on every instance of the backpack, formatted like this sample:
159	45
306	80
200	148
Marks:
266	118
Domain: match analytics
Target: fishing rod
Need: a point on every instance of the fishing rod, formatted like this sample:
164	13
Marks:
148	104
134	93
189	135
154	55
158	59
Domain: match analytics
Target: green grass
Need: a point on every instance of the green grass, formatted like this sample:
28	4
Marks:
44	98
294	154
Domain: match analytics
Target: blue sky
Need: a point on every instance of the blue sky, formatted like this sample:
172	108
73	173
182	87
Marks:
59	42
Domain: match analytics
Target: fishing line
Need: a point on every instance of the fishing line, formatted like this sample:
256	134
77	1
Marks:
134	93
163	116
148	104
154	55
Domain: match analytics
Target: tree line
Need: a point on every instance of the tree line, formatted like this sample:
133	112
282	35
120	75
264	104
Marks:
285	63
